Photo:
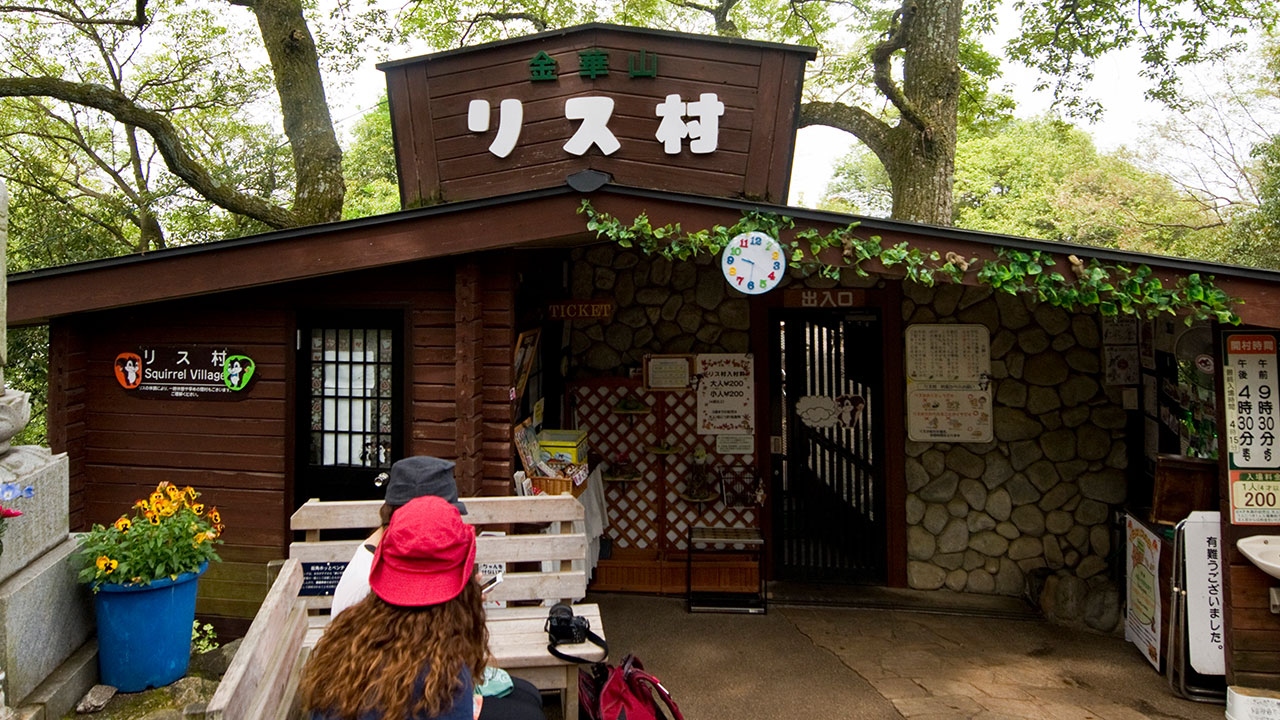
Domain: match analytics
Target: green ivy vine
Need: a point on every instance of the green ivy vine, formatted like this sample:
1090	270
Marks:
1111	289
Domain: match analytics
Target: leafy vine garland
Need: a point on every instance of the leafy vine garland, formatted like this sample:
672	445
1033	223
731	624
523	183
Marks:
1111	289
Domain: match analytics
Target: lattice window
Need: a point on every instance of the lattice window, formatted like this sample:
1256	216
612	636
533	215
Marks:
351	397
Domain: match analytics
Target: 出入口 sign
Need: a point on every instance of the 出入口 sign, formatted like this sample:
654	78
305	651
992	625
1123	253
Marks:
185	372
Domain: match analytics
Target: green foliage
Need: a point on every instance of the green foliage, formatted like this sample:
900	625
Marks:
1045	179
91	187
369	166
1062	40
203	638
1109	289
169	533
28	371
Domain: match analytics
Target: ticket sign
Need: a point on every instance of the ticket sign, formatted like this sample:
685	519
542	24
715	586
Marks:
1255	497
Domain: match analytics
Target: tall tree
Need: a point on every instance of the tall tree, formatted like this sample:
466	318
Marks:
170	77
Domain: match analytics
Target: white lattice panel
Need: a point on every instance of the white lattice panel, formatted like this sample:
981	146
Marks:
651	514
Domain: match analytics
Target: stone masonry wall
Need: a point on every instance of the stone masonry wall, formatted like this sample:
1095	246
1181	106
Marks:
1033	510
1029	513
661	307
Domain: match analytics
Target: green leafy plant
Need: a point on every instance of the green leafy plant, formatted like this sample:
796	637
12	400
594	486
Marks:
1110	289
169	533
203	637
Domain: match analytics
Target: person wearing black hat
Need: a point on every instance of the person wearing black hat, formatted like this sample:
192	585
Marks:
410	478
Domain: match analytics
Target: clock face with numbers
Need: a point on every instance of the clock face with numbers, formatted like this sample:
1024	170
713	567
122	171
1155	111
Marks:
753	263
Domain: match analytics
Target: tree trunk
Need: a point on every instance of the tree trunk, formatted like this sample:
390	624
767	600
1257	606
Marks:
317	157
919	151
922	160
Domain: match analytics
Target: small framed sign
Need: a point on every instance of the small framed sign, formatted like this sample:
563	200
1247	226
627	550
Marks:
666	373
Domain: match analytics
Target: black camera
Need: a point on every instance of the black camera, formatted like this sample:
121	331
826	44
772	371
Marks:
564	627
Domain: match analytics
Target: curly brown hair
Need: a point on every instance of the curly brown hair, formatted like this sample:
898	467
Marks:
373	653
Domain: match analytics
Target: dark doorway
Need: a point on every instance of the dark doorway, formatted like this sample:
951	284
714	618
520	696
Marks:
349	408
829	475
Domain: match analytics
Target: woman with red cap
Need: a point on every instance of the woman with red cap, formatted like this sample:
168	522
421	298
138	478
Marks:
411	649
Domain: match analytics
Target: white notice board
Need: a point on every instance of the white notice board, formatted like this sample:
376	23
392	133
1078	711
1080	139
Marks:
948	383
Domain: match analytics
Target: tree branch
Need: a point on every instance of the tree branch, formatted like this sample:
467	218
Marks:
139	20
170	144
881	62
539	23
868	128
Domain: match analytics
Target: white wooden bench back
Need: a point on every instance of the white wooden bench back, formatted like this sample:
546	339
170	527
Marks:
558	555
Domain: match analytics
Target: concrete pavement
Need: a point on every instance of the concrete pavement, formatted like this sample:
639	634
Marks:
802	661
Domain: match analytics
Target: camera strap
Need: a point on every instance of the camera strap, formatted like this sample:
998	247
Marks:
591	638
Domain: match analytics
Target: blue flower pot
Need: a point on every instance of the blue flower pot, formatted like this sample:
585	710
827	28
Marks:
144	631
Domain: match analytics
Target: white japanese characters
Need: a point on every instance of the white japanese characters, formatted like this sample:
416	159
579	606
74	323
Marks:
594	112
697	121
704	133
510	121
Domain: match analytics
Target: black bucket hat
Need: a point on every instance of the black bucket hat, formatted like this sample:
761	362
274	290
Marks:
421	475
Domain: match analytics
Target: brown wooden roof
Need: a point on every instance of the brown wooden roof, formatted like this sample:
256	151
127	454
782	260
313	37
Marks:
544	218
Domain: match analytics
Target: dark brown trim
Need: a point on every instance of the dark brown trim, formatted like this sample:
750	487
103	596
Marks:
895	424
535	219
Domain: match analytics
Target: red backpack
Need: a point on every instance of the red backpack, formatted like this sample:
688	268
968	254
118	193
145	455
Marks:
628	692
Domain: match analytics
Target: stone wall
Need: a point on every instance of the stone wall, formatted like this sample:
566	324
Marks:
1031	512
660	307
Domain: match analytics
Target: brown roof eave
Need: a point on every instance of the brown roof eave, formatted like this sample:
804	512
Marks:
477	226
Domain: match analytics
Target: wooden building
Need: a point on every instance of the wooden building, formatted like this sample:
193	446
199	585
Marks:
360	342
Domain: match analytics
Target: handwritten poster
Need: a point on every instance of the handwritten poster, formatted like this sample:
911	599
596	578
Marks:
726	394
1142	611
936	412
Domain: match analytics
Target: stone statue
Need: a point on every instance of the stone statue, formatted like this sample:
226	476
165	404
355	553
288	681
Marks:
15	407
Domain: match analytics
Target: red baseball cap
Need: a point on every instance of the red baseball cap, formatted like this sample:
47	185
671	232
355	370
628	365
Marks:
427	554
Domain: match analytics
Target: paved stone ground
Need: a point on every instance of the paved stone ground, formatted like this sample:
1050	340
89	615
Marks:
824	662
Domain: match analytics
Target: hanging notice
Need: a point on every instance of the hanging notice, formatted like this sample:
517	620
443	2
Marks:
726	394
948	388
194	372
1142	614
1249	393
1205	638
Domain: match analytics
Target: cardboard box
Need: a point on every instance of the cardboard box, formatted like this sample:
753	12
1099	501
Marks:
564	445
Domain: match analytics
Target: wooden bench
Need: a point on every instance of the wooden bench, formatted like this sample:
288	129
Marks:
545	551
261	682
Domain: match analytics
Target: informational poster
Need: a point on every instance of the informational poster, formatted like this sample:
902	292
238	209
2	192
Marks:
948	353
1249	393
941	413
667	372
1142	618
321	578
726	394
948	383
1204	564
735	444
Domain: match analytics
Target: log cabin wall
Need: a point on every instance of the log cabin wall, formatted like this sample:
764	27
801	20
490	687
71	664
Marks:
441	160
240	454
